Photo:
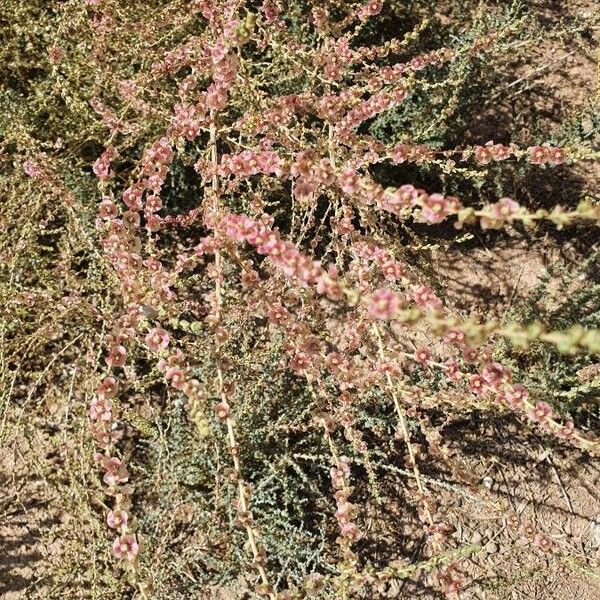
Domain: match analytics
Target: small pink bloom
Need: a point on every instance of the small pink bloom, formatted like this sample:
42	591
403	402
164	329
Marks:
556	156
116	357
126	547
384	304
350	530
116	471
566	431
334	361
516	395
32	169
435	208
452	370
423	356
107	209
505	208
100	410
222	410
456	337
495	374
108	388
540	413
543	542
56	54
470	354
538	155
116	518
300	361
157	339
500	152
177	377
392	270
425	297
483	154
349	181
278	314
476	384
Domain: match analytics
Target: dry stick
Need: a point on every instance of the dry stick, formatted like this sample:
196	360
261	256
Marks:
402	420
336	461
243	503
417	474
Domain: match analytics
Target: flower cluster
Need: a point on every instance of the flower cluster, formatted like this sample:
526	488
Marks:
346	511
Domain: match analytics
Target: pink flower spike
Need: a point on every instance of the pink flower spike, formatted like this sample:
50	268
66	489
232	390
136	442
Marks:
126	547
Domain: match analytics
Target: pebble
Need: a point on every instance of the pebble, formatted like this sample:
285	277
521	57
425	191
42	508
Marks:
492	548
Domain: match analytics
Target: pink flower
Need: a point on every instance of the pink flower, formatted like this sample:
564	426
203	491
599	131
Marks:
107	209
495	374
477	384
222	410
452	369
32	169
566	431
126	547
270	10
423	356
349	181
383	304
116	471
370	9
157	339
117	356
100	410
108	388
300	361
500	152
278	314
116	518
408	194
540	413
543	542
392	270
56	54
504	208
500	213
483	154
177	377
470	354
556	156
399	153
350	530
456	337
538	155
425	297
435	208
516	395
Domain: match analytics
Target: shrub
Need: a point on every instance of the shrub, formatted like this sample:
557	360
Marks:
221	202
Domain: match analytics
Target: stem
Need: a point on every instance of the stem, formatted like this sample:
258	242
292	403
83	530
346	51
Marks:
231	440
